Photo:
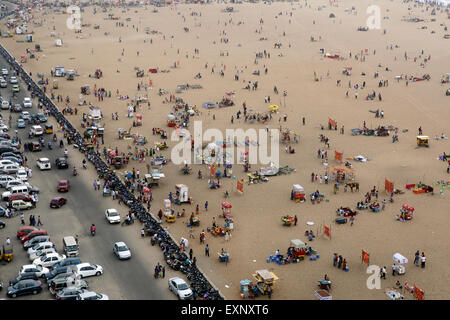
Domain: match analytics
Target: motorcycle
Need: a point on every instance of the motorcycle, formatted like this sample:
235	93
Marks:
74	172
92	231
49	145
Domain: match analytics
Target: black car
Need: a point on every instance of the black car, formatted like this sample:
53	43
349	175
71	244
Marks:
23	276
17	155
69	293
2	224
61	163
55	271
6	149
24	287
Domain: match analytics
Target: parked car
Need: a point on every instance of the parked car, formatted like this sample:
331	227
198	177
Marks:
25	230
16	108
20	196
32	234
24	287
41	117
24	276
2	224
90	295
4	179
16	160
37	254
56	285
86	269
180	288
43	164
112	216
3	83
68	262
11	168
58	202
21	205
61	163
49	259
57	270
39	270
13	80
41	246
35	240
22	174
5	105
69	293
27	103
63	186
5	72
3	163
121	250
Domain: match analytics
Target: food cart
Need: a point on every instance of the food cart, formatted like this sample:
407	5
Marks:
170	217
138	120
223	256
401	260
323	295
264	279
297	249
181	194
298	193
226	212
287	220
194	221
407	212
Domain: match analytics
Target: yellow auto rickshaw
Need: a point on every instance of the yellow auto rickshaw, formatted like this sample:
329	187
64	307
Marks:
48	129
422	141
55	84
170	217
8	252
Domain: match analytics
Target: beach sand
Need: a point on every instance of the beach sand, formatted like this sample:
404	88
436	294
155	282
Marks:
258	231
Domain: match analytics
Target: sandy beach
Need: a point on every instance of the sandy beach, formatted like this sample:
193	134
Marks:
258	231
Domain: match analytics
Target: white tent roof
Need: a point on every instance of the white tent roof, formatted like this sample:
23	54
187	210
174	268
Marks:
400	259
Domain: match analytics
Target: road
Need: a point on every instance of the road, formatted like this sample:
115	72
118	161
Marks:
131	279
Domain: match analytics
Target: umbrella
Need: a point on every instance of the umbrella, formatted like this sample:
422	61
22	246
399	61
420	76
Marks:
209	105
128	175
274	107
226	205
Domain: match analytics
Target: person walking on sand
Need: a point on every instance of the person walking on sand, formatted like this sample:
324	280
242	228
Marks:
206	205
423	259
416	258
207	250
295	220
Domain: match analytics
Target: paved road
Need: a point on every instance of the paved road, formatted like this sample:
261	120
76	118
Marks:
132	279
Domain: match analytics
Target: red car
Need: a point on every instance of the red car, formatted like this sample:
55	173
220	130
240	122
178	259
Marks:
25	230
33	234
20	196
63	186
57	202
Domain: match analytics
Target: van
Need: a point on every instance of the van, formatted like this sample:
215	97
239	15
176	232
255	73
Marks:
64	282
14	190
70	246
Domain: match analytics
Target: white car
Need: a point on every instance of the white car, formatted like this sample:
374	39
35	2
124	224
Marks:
43	164
112	216
21	174
49	259
5	105
26	115
21	205
4	127
5	162
37	131
180	288
37	254
5	72
121	250
27	103
13	80
87	269
3	83
5	179
90	295
11	168
40	246
31	268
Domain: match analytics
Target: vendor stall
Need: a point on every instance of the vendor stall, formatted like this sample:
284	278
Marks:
401	260
298	193
264	280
